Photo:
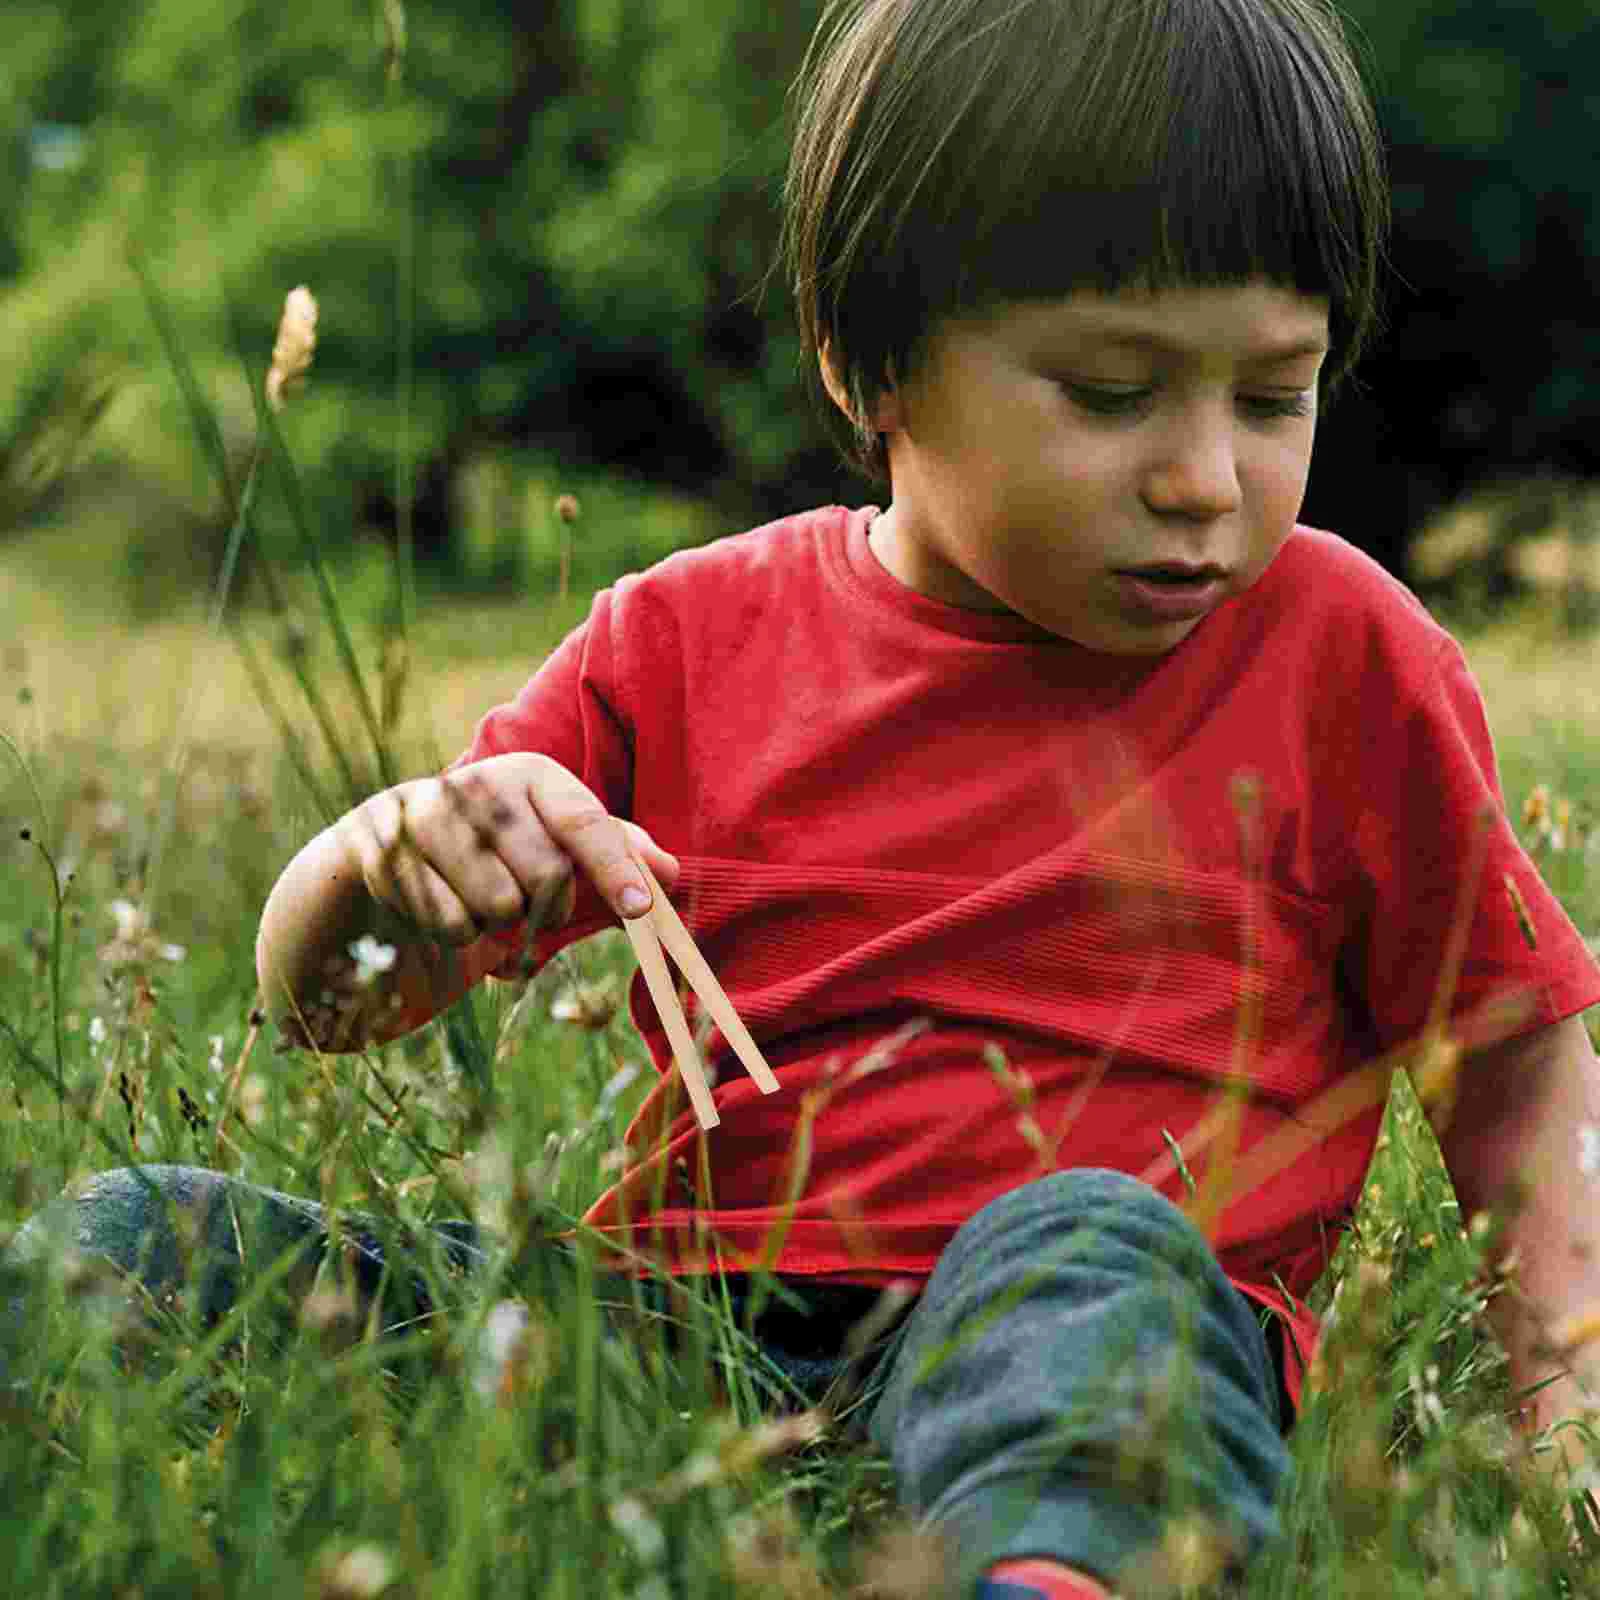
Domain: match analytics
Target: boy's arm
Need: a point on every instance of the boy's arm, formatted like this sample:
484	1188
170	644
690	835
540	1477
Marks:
1516	1134
427	869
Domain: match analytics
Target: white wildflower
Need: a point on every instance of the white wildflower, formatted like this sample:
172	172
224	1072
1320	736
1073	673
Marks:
371	958
136	940
1427	1406
513	1351
97	1032
131	921
215	1060
361	1573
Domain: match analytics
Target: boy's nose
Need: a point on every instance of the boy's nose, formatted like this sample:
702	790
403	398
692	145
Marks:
1195	474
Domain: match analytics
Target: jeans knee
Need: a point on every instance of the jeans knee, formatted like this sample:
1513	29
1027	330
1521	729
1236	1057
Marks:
1090	1211
1080	1191
126	1215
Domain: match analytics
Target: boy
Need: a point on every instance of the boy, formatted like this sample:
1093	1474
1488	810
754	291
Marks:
1080	749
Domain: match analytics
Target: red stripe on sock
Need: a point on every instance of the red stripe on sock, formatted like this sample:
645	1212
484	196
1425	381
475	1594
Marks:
1049	1578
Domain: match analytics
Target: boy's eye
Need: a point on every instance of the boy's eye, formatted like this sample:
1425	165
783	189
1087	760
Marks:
1110	400
1106	401
1272	407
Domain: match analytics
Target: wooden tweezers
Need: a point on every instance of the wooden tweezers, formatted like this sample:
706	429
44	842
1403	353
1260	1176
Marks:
661	925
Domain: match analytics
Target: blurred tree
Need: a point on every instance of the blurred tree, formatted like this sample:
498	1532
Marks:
548	223
553	219
1491	363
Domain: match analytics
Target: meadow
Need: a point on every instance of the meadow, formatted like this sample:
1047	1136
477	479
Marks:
149	795
165	748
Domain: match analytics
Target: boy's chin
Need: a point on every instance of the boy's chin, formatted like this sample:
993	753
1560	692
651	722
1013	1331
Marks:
1133	642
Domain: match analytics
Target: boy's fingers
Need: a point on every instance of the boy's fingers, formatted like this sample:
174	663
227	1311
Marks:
500	842
425	897
597	842
453	893
494	847
661	862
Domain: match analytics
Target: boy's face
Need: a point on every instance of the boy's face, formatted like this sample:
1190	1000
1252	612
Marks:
1110	467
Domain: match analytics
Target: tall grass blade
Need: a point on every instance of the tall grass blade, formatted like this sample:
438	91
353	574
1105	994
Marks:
57	922
236	537
240	505
290	741
311	549
403	176
473	1054
202	416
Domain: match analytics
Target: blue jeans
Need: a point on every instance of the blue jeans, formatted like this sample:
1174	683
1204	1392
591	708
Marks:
1076	1372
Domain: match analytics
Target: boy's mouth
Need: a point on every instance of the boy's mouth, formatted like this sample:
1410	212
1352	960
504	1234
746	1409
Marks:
1175	573
1171	591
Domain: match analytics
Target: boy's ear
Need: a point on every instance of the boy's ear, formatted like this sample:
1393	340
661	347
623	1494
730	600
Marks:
885	416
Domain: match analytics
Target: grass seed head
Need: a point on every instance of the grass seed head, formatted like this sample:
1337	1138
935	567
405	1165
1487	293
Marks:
252	1102
587	1005
295	346
1191	1555
394	39
767	1557
333	1313
906	1563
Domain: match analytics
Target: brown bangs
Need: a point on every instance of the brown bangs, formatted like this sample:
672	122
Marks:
957	154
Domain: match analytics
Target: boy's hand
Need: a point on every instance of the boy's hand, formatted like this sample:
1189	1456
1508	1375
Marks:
495	844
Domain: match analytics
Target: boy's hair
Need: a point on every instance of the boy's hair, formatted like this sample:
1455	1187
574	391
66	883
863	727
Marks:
955	155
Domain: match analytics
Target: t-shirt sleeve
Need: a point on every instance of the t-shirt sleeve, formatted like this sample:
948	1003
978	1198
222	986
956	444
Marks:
568	710
1445	885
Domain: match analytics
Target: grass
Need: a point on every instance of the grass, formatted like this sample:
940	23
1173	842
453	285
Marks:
153	780
287	1452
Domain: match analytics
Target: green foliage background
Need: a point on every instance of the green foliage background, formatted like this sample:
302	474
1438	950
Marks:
541	235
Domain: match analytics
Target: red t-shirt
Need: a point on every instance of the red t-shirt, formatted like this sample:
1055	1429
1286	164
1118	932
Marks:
1224	875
